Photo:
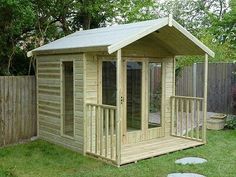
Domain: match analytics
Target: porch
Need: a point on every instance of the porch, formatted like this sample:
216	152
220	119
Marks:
104	136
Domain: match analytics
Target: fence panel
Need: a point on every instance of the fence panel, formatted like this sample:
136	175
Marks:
17	109
221	85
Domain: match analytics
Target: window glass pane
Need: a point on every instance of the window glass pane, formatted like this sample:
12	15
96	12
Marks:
109	82
134	90
68	126
155	77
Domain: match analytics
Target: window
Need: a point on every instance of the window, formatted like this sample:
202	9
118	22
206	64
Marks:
68	98
155	94
109	83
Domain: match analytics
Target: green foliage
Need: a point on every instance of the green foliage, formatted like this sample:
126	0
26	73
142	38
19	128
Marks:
134	10
224	28
223	52
17	18
212	21
27	24
231	122
8	172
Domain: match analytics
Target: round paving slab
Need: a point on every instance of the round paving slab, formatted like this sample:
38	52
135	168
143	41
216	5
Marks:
184	175
190	160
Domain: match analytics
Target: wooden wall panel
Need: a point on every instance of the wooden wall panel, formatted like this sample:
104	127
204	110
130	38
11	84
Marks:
50	100
91	92
91	78
169	81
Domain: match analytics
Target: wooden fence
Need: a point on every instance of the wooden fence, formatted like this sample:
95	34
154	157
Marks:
17	109
221	85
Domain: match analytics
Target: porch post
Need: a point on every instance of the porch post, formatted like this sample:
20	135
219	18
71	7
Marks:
205	98
119	101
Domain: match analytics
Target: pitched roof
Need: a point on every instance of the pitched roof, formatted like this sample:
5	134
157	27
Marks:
116	37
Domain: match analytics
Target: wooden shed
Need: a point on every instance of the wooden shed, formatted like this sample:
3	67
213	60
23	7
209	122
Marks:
110	92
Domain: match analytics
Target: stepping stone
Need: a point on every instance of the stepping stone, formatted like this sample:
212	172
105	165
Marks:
185	175
190	160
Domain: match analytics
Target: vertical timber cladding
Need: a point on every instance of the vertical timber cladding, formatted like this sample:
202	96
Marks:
49	74
91	78
91	84
169	83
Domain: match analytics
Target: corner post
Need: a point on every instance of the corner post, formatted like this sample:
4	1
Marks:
172	99
84	61
205	98
119	101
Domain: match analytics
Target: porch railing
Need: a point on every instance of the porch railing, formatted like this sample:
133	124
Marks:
102	132
187	116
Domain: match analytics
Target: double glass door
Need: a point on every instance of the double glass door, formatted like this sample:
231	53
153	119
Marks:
142	97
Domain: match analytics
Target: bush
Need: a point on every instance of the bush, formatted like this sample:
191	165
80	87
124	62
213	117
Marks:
231	122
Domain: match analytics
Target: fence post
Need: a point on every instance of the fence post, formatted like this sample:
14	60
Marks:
205	98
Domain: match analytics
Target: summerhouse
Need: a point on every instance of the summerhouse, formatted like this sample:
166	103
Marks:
110	92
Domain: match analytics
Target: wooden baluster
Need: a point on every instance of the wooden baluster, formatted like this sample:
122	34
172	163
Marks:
172	115
96	129
101	131
198	119
192	120
91	128
106	131
112	131
88	125
99	128
181	117
187	116
202	111
117	153
177	115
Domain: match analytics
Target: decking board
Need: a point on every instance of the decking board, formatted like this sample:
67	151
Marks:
155	147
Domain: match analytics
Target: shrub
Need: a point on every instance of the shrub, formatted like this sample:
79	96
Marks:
231	122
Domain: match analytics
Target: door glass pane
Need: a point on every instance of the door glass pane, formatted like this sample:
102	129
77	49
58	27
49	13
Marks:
155	75
68	118
109	82
134	90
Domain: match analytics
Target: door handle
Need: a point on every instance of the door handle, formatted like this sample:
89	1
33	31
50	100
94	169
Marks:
121	99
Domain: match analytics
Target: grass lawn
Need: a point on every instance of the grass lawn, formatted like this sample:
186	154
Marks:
40	158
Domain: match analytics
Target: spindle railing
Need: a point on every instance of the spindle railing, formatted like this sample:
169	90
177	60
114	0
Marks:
102	131
188	119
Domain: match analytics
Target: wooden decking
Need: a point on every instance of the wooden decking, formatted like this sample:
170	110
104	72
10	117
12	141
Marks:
155	147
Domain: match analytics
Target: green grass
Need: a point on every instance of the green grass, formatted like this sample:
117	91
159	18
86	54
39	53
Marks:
40	158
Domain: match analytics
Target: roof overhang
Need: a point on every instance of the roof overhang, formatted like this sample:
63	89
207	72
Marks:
67	50
171	23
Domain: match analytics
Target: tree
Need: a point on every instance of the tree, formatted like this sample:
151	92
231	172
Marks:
224	28
28	24
17	17
212	21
